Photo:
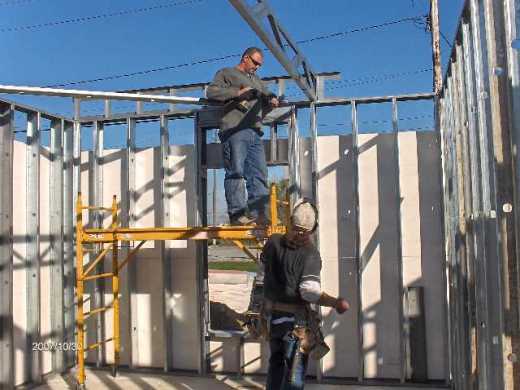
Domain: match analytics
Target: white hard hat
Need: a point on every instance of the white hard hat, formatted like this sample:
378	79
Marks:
304	215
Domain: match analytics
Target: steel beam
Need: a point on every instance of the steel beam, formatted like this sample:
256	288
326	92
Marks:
56	242
33	355
99	95
7	367
279	43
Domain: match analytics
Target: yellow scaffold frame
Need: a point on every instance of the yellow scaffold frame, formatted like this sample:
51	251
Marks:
112	236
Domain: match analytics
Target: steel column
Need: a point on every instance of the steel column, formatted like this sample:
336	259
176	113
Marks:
357	237
133	335
294	159
313	127
403	329
490	292
97	218
56	241
202	248
33	355
165	221
465	202
6	246
503	225
512	23
68	239
474	243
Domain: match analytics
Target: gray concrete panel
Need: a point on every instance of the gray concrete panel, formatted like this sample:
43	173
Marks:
379	257
339	272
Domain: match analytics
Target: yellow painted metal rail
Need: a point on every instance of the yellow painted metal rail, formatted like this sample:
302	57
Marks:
109	239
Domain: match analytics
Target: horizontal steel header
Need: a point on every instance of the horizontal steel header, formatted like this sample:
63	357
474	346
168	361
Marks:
22	90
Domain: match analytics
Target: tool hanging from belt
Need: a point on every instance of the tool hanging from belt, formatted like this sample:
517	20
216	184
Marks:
311	338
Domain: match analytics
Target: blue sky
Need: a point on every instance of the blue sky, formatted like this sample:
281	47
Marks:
93	39
183	31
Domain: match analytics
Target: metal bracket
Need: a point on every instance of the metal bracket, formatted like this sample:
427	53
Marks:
279	43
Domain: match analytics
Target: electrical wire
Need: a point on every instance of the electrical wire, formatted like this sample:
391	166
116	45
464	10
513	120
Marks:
237	55
403	119
14	2
143	72
84	19
362	29
445	39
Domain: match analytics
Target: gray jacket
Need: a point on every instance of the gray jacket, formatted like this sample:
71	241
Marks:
238	114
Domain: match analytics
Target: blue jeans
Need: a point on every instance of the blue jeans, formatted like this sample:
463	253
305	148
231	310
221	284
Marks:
244	158
287	365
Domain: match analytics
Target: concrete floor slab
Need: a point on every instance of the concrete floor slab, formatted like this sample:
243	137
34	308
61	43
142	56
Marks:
100	380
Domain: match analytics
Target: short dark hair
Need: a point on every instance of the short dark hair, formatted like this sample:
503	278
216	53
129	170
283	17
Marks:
252	50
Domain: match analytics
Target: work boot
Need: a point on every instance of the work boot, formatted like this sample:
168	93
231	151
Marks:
242	220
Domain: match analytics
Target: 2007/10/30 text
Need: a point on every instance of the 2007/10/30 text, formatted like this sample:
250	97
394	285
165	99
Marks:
54	346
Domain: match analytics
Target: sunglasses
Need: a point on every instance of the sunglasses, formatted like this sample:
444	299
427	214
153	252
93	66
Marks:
255	62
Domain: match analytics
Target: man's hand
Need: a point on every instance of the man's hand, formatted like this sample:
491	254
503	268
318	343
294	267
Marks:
341	305
244	90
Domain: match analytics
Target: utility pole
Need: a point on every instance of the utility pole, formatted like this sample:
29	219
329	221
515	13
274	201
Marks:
436	46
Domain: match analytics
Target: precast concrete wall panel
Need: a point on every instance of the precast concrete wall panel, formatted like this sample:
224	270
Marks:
379	357
379	257
422	262
422	238
149	269
337	248
113	169
224	355
180	188
256	358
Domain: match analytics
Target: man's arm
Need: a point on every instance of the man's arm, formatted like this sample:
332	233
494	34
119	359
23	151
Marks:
340	304
220	88
310	287
269	96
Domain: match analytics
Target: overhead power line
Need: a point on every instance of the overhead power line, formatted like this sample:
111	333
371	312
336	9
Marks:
143	72
403	119
373	79
84	19
14	2
236	55
363	29
445	39
378	78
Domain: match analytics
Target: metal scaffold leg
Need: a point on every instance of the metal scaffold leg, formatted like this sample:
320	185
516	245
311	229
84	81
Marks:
112	237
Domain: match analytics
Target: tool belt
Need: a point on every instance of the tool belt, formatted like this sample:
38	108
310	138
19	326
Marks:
311	338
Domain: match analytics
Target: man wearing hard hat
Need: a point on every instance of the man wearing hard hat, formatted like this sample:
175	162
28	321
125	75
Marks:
291	285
